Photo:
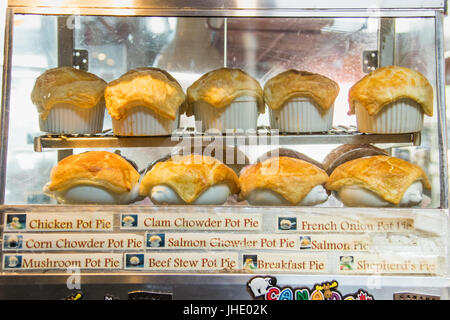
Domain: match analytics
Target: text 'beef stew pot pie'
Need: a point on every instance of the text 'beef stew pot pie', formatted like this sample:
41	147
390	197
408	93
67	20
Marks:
94	177
300	101
379	181
69	101
191	179
283	181
391	99
144	102
226	99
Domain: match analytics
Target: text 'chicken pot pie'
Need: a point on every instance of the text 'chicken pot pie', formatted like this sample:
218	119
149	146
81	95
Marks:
94	177
69	101
283	181
144	101
391	99
378	181
226	98
300	101
191	179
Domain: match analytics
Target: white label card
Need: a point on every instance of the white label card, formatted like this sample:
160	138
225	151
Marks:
295	263
72	241
191	221
24	222
40	261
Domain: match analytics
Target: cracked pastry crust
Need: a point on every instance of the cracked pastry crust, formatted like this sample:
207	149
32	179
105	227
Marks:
294	83
66	85
389	84
94	168
386	176
221	86
292	178
189	176
150	87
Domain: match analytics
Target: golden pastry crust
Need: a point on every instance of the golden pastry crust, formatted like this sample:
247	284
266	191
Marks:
66	85
150	87
220	87
292	178
386	176
189	176
294	83
95	168
389	84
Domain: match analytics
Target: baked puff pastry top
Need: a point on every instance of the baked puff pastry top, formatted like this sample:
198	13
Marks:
292	178
389	84
189	176
94	168
221	86
386	176
150	87
66	85
294	83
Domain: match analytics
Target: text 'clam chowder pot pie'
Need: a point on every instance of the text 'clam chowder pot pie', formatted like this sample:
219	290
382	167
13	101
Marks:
391	99
144	101
94	177
378	181
226	98
191	179
300	101
283	181
69	101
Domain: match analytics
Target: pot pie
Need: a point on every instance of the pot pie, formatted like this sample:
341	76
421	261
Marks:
69	101
191	179
94	177
300	101
391	99
283	181
144	101
284	152
378	181
225	99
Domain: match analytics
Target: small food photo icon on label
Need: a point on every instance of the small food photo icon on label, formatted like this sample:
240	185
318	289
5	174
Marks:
155	240
12	262
15	222
134	260
287	223
129	220
12	241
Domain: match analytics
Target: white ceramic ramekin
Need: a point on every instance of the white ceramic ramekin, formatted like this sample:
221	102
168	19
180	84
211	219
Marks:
66	118
402	116
301	115
142	121
241	114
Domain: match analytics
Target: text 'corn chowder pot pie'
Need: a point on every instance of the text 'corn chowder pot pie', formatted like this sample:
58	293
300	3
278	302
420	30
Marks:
300	101
378	181
391	99
94	177
283	181
69	101
226	98
144	101
191	179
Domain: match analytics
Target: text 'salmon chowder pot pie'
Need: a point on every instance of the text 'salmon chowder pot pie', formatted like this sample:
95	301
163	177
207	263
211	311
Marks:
378	181
191	179
94	177
144	102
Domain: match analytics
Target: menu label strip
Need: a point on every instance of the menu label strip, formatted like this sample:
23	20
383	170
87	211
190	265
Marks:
198	221
73	241
24	222
39	261
295	263
163	261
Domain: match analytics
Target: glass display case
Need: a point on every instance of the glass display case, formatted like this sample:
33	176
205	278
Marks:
238	249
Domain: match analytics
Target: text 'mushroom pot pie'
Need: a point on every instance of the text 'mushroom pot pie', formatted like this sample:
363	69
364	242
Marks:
226	98
94	177
378	181
300	101
69	101
191	179
391	99
283	181
144	101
